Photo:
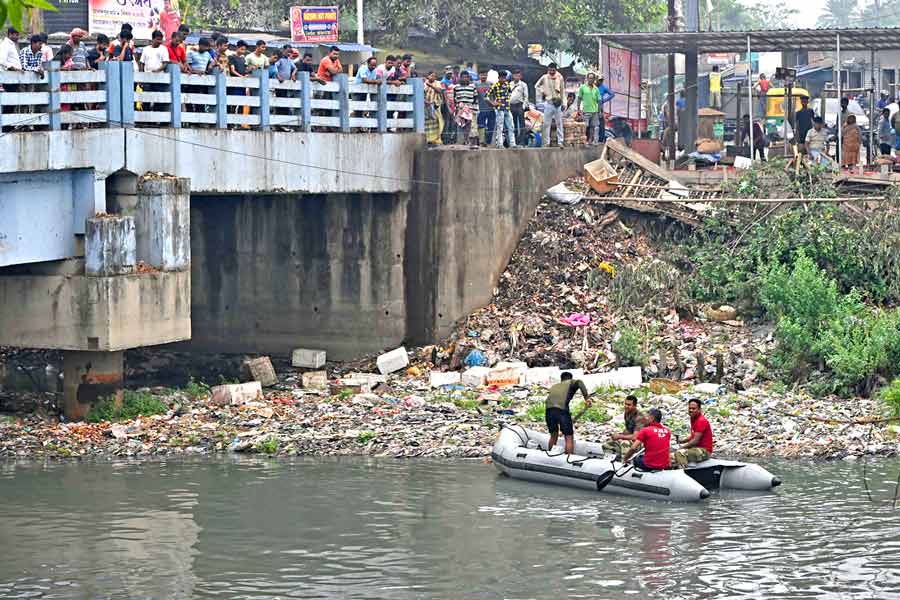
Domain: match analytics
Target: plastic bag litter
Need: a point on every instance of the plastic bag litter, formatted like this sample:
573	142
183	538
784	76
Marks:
560	193
476	358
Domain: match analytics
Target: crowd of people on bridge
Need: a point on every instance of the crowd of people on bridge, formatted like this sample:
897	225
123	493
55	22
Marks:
494	106
475	106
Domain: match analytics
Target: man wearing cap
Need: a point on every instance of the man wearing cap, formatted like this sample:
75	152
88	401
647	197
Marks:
79	50
655	439
447	80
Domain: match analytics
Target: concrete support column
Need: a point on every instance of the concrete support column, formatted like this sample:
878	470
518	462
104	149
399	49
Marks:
160	206
109	246
87	378
688	129
163	222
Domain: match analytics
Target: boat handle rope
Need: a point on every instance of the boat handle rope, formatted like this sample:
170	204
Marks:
526	439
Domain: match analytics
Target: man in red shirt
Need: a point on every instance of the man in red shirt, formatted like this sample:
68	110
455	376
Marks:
330	65
655	439
177	55
699	445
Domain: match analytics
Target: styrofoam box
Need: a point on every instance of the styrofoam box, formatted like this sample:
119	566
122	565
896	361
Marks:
392	361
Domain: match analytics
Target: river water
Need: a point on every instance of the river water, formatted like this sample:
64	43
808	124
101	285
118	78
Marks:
383	528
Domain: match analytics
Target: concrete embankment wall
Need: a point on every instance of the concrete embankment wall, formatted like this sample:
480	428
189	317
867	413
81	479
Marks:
461	233
271	273
357	273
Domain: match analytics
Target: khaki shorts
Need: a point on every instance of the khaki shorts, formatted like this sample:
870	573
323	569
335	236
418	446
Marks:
691	455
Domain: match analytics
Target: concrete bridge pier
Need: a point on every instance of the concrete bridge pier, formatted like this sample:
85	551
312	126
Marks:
118	276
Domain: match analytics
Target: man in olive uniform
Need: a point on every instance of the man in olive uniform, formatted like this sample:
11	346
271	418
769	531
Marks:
557	412
621	442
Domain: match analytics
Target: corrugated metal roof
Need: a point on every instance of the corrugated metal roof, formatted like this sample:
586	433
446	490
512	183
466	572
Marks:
777	40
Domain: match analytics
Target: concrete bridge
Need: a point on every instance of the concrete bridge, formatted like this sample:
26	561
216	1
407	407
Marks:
307	223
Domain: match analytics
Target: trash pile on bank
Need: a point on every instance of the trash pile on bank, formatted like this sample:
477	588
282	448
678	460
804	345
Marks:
416	412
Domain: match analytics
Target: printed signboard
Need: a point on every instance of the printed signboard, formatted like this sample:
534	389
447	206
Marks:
314	24
622	74
144	16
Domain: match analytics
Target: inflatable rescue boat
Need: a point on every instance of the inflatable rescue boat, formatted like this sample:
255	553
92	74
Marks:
521	453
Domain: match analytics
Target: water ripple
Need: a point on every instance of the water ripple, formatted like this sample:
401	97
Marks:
367	528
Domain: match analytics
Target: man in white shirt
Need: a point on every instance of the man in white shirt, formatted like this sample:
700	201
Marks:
550	89
9	51
518	104
155	56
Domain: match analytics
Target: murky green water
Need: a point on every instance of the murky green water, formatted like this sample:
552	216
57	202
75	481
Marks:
365	528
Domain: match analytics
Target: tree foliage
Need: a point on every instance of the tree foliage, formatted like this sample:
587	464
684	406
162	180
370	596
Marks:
512	25
742	15
14	11
504	26
838	13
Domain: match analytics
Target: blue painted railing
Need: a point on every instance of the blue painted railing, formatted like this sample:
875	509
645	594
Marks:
117	95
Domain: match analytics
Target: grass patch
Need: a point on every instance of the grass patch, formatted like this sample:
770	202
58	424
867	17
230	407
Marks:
269	445
890	395
366	436
595	414
196	390
134	404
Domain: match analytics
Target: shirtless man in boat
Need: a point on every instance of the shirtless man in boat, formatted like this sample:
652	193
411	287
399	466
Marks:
655	439
634	421
557	412
699	445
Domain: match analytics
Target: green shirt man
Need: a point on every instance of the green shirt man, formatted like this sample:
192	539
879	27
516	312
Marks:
556	412
589	95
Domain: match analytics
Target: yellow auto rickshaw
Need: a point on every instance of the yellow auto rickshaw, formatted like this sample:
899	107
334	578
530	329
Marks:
775	106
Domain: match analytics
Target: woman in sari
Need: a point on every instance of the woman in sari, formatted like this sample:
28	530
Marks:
851	140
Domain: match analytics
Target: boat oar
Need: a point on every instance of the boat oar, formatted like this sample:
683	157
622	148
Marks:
604	479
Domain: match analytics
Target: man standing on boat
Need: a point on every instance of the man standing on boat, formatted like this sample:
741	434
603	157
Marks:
557	412
655	439
620	442
699	445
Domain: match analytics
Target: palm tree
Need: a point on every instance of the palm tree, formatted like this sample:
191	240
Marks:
838	13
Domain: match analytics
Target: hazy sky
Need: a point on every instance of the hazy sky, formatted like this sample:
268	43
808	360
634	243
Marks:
807	11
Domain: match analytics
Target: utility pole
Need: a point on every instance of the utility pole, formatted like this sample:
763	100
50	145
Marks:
670	152
359	23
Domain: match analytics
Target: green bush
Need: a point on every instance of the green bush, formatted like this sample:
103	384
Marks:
196	390
134	404
801	300
268	445
729	254
629	347
816	327
890	395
